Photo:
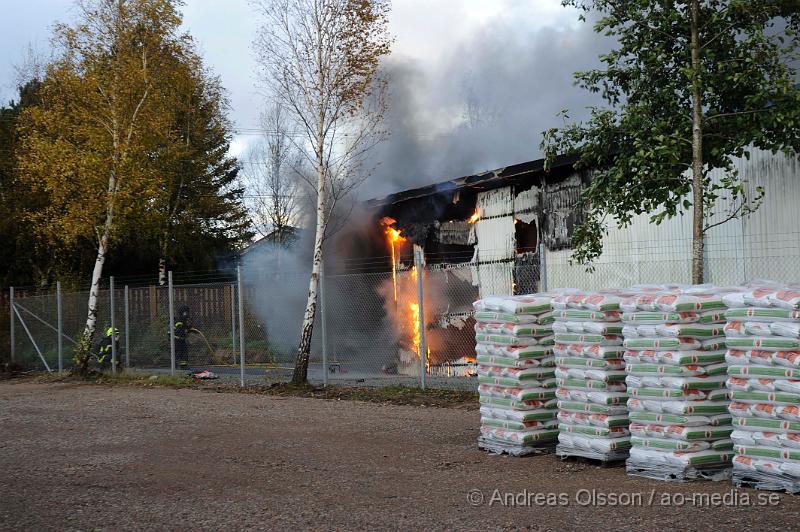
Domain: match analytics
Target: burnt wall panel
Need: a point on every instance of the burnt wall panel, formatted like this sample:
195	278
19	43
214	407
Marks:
548	202
562	210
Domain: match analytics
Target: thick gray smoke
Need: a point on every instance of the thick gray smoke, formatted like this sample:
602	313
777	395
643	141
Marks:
276	278
486	108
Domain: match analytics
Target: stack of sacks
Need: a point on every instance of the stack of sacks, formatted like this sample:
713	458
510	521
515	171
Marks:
675	361
763	338
593	419
516	380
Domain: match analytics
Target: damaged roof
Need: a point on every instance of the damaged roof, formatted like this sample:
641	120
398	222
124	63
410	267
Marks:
483	181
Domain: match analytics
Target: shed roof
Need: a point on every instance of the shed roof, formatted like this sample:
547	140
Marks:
482	181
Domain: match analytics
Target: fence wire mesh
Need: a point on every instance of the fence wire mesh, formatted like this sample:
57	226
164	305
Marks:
373	334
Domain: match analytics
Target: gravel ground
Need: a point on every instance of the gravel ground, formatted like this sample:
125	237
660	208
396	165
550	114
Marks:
78	456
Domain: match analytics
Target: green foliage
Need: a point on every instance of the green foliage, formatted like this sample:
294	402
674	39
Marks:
82	354
22	261
104	109
129	123
640	146
197	214
16	246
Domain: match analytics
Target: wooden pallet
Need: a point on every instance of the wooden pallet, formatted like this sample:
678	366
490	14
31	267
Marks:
717	472
767	482
501	447
616	459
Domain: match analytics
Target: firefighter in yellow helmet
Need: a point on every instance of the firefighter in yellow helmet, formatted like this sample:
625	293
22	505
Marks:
105	352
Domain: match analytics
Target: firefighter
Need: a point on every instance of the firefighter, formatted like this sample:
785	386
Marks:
182	327
104	353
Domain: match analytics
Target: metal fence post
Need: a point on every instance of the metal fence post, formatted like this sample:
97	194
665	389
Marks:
171	325
113	325
423	352
241	325
59	326
233	322
478	270
542	268
127	329
322	305
11	307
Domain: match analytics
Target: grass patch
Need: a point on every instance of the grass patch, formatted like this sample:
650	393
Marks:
395	395
138	379
122	378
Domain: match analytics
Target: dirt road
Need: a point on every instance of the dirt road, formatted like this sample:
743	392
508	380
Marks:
75	456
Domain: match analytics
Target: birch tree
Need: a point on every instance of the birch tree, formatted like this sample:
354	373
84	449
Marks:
273	172
104	113
692	85
319	59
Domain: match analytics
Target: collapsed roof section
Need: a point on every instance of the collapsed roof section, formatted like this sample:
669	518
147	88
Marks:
538	205
517	174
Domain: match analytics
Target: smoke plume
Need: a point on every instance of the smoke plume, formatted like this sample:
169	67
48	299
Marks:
486	107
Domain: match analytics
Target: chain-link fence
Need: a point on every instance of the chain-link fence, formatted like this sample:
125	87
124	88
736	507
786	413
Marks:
379	329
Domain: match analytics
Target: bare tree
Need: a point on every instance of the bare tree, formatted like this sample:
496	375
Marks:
32	66
273	175
319	59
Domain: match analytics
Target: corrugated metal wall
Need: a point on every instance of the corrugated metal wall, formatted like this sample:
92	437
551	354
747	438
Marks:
765	244
771	235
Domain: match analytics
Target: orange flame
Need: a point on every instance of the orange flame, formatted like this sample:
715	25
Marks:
414	316
394	237
475	217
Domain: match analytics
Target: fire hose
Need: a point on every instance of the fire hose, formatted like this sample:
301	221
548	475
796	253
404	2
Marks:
203	336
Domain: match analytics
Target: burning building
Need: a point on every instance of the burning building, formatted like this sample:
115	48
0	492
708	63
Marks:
486	234
494	221
479	235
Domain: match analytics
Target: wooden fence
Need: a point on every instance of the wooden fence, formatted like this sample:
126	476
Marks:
207	304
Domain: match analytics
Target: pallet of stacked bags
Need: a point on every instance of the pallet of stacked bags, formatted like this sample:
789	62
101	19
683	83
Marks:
763	338
593	418
516	374
676	372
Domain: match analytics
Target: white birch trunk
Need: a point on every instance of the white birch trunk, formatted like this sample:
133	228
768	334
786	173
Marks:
162	260
121	134
300	374
84	351
162	271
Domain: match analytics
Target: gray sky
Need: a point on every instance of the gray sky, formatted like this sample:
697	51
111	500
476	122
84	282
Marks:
512	59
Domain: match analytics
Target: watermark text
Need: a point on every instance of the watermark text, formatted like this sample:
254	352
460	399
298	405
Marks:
600	498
